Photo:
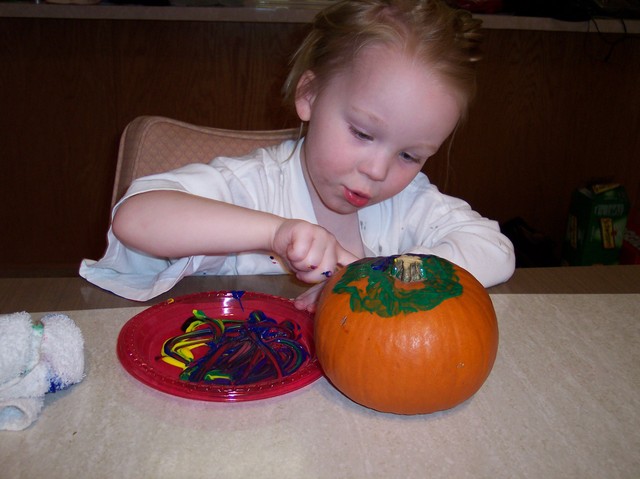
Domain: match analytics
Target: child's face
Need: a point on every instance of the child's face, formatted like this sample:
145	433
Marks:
372	127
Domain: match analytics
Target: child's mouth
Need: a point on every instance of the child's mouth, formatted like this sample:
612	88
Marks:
356	199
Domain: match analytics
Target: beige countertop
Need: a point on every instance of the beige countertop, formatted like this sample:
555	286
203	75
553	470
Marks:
279	12
563	400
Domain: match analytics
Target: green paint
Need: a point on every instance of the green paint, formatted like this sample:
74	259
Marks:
384	299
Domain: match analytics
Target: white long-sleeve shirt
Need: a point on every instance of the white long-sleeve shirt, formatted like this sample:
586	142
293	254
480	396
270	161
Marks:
419	219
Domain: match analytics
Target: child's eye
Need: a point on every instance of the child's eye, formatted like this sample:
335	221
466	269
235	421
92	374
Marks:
359	134
407	157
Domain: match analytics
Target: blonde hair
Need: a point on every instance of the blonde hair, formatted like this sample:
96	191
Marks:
445	39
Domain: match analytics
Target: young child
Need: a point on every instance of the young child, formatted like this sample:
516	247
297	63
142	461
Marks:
379	85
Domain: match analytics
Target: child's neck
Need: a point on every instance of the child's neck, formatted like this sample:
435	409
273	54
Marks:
344	227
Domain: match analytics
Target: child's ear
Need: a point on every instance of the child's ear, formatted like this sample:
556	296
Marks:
305	95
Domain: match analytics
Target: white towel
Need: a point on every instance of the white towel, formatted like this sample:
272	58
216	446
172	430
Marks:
19	347
19	413
35	359
63	350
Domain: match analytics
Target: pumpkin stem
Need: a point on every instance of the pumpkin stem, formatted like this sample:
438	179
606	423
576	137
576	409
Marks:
408	268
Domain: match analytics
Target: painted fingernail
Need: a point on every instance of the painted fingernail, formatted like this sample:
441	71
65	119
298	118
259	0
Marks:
328	274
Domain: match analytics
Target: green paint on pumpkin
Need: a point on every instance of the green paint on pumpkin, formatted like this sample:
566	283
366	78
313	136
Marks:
381	297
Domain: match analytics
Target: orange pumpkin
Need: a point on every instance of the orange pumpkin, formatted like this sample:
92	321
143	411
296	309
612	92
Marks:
407	334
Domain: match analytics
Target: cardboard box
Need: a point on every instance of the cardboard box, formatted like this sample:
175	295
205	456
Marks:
596	225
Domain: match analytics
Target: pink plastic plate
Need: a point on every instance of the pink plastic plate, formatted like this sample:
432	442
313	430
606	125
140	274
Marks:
142	338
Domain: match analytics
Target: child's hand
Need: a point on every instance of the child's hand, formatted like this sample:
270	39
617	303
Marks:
311	251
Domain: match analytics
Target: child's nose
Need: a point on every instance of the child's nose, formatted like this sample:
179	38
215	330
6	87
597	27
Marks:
375	167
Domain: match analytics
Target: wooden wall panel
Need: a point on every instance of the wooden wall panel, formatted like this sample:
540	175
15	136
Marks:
223	74
552	112
57	126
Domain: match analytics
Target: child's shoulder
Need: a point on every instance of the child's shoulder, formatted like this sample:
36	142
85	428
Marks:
421	194
277	153
274	156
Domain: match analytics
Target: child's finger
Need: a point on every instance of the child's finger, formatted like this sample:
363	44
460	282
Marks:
308	299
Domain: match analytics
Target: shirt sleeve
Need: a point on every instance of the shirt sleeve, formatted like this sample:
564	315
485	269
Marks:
138	276
422	220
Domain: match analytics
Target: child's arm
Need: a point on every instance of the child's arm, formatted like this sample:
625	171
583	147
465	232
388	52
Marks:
175	224
480	249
